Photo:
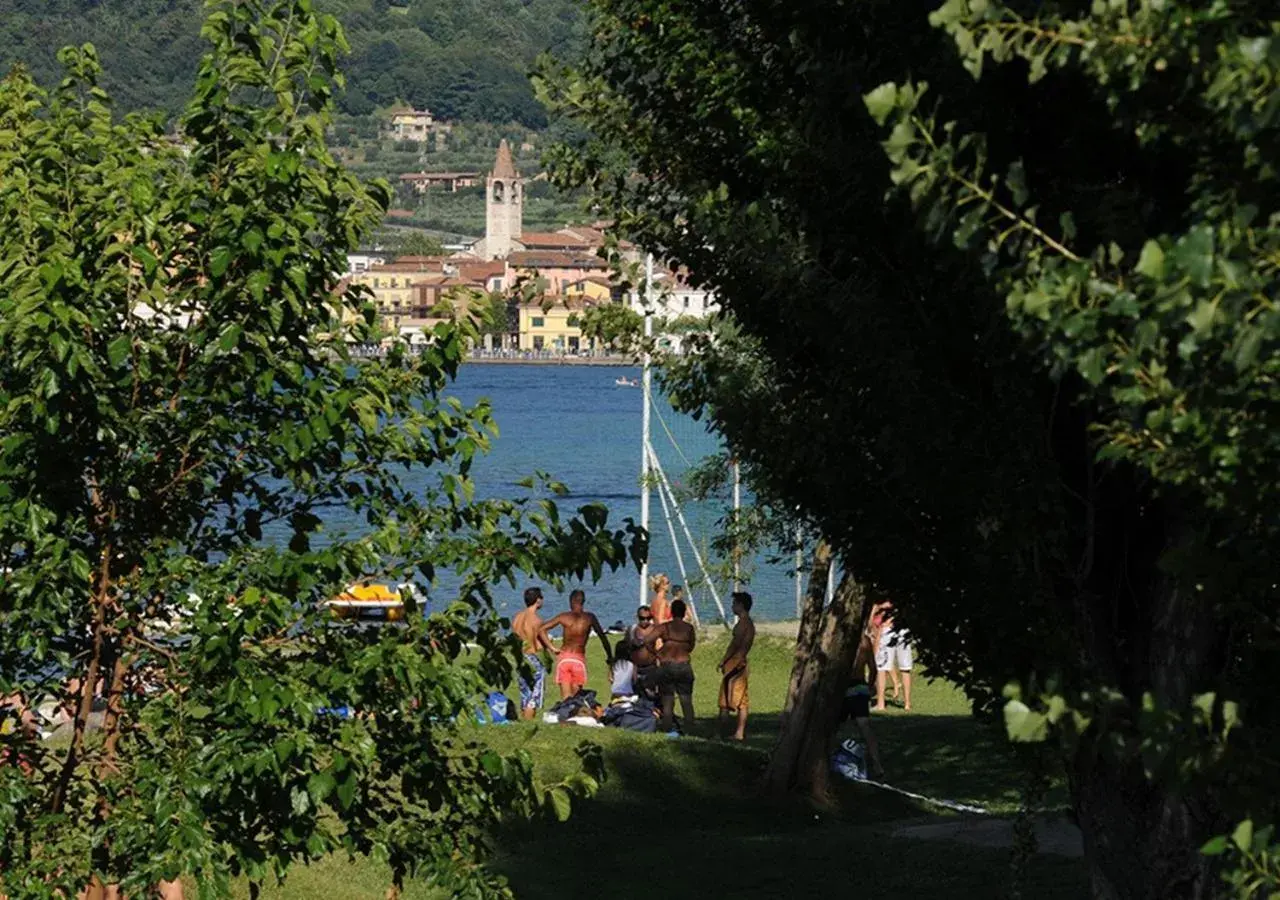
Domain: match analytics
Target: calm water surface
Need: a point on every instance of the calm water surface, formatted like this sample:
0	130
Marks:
574	423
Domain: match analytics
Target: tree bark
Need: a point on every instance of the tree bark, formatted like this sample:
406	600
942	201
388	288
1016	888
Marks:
822	672
1142	837
810	622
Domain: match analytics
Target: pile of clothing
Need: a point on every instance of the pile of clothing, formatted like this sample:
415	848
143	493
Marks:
633	713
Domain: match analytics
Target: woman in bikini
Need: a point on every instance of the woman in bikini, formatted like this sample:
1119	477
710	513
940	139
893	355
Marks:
660	585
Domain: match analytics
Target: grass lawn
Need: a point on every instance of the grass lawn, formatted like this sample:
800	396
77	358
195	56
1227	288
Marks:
679	818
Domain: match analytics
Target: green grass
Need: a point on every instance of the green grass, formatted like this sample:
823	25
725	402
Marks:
681	818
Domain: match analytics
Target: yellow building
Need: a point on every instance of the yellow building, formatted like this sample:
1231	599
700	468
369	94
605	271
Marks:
395	285
592	289
552	325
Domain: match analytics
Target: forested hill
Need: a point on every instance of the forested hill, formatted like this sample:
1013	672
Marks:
463	59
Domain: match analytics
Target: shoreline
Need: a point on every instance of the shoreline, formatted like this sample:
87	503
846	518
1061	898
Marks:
617	363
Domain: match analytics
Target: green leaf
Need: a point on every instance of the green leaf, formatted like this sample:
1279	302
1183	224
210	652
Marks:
1151	261
1215	846
230	338
347	790
561	803
1023	725
219	261
881	101
118	350
1242	837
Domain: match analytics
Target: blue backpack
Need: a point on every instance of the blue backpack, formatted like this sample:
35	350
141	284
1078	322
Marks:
498	707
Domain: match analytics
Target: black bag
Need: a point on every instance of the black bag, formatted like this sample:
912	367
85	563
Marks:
580	703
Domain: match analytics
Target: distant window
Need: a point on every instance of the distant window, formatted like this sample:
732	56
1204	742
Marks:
538	342
686	301
539	322
375	283
393	284
499	192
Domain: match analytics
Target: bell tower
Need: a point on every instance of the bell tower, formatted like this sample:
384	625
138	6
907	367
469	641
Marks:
504	205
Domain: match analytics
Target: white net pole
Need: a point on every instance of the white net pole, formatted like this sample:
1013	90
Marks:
737	510
664	484
645	448
675	545
799	577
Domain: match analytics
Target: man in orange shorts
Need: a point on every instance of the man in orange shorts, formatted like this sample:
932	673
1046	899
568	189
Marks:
571	661
735	697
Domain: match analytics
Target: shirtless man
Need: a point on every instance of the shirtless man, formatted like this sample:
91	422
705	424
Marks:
571	665
527	625
734	697
675	672
644	657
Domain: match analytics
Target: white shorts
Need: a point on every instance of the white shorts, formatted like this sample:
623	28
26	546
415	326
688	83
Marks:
894	652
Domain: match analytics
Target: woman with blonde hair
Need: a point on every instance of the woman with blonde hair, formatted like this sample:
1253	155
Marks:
659	584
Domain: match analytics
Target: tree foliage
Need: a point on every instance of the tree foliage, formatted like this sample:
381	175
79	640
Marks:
179	422
1012	353
463	60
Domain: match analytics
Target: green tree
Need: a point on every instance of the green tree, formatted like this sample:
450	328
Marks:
1029	394
180	423
615	325
418	243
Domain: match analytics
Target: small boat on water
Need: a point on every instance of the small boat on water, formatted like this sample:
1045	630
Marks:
368	601
623	382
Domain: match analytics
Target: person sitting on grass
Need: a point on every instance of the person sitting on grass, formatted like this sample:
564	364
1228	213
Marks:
857	706
622	675
675	671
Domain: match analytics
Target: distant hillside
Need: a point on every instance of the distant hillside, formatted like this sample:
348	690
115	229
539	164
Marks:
464	59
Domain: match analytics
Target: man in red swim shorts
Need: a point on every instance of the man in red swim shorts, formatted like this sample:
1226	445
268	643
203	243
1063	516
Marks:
571	661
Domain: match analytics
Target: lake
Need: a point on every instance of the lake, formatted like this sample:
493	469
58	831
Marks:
574	423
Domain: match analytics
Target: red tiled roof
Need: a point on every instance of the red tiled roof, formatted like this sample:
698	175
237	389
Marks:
399	214
550	240
535	259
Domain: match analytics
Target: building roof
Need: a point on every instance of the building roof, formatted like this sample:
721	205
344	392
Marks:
503	165
481	270
437	176
594	279
550	259
554	240
428	264
399	214
551	301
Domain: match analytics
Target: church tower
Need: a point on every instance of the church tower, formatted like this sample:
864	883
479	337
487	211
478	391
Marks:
504	205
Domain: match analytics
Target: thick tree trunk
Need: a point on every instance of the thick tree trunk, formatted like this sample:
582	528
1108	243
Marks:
820	677
1142	838
810	621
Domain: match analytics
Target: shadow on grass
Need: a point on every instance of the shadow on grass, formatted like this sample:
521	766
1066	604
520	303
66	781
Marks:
682	818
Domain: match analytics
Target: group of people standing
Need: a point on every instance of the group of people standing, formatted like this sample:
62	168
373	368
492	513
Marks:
653	658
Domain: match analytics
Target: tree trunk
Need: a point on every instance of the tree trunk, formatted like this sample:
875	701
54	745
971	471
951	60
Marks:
810	621
820	677
1142	837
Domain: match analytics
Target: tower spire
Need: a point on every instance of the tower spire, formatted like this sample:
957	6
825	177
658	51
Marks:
503	165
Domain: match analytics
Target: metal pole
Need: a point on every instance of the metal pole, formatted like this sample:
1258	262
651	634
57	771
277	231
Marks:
737	508
645	446
799	566
675	545
831	581
663	484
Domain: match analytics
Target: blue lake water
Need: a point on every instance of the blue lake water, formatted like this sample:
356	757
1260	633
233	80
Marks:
575	424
